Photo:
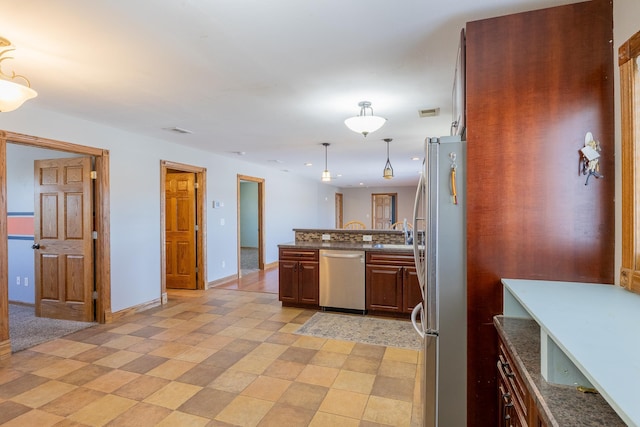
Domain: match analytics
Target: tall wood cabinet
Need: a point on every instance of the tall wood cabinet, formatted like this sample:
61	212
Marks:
537	82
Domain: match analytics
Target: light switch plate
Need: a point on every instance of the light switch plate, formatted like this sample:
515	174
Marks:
367	238
326	237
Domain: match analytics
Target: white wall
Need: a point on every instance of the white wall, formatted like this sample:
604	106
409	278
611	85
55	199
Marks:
135	200
625	24
357	203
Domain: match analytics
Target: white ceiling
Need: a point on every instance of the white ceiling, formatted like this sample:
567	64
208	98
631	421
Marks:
270	78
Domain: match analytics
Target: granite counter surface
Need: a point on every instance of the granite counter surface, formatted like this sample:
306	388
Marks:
559	405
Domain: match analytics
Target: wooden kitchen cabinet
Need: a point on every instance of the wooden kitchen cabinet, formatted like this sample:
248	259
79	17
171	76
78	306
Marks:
391	282
299	276
516	408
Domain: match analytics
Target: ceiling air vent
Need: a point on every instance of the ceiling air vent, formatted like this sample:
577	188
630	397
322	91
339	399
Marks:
429	112
178	130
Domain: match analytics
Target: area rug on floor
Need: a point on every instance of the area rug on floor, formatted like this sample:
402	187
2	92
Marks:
363	329
26	330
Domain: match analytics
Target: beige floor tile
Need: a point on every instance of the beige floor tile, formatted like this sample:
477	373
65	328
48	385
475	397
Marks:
34	418
322	419
266	388
103	410
328	359
338	346
171	369
205	318
388	411
247	322
363	364
401	355
393	388
170	349
233	381
43	394
126	328
7	375
314	343
183	420
285	415
244	411
124	342
286	315
141	388
318	375
354	381
141	415
269	350
62	348
234	331
345	403
59	369
284	369
196	354
71	402
118	359
216	342
173	395
289	328
111	381
252	364
302	395
392	368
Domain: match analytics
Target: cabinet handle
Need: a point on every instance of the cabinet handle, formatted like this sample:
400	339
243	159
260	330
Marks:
506	395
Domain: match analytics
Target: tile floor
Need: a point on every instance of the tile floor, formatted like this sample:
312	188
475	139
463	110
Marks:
208	358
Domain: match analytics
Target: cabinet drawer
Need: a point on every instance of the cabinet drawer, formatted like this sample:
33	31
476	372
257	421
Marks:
390	258
299	254
512	378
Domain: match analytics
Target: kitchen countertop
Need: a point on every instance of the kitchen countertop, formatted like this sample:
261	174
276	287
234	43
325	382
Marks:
559	405
382	247
595	326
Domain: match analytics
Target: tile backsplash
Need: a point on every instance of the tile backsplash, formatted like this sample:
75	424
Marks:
353	236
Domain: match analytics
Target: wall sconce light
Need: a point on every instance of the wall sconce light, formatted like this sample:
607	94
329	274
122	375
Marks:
326	175
12	94
388	170
363	123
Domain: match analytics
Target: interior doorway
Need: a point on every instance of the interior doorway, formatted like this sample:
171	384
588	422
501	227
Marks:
182	227
384	210
101	245
250	192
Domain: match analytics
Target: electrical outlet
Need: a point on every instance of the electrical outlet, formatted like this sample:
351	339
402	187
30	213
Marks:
367	238
221	221
26	281
18	280
326	237
223	264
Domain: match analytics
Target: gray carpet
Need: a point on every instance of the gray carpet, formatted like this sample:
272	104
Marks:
26	330
248	260
363	329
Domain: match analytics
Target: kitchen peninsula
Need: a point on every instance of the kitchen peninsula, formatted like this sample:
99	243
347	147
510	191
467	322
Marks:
384	277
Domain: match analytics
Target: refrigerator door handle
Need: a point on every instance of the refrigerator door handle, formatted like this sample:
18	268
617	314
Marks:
414	319
420	267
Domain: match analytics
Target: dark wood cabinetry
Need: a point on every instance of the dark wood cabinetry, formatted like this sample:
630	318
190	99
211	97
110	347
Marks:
392	282
299	276
516	408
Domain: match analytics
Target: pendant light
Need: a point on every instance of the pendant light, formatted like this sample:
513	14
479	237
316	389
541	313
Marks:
326	175
12	94
363	123
388	170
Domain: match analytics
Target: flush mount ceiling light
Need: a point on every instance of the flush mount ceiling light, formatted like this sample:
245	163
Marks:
363	123
326	175
12	94
388	170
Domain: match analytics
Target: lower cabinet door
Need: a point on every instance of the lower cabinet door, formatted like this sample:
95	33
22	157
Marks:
309	282
412	295
384	288
288	281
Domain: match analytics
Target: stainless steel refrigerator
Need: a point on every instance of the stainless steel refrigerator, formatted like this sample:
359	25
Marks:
439	234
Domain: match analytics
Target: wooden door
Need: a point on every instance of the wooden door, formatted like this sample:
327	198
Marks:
180	222
63	241
383	206
339	210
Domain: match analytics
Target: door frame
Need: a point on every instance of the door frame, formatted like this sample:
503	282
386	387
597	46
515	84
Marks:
261	184
102	245
201	221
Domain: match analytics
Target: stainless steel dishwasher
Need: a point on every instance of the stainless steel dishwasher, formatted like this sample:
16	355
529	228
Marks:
342	280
